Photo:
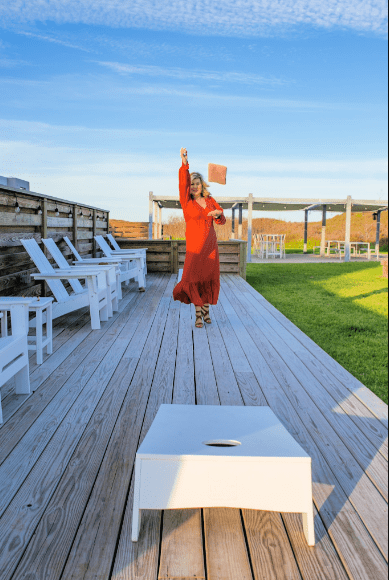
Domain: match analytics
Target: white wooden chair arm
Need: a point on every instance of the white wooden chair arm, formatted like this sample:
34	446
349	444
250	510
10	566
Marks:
125	252
65	275
126	257
102	267
98	261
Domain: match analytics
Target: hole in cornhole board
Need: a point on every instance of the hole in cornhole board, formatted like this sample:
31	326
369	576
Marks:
217	173
222	443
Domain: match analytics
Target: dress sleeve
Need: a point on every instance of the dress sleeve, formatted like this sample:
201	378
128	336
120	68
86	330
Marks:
220	221
184	185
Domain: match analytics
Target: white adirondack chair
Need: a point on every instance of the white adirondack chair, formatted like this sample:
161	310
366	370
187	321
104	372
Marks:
120	250
14	349
94	295
132	266
110	273
80	261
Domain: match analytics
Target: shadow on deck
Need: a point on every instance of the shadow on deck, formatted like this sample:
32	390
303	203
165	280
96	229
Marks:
67	451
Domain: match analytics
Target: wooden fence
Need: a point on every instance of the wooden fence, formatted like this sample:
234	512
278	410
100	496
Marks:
169	255
124	229
32	215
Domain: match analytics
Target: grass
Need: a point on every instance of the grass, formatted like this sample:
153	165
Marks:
342	307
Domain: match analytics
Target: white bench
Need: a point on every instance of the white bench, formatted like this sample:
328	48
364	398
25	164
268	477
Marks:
197	456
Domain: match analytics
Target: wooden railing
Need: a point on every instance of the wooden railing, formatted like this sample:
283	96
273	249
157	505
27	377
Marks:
169	255
38	216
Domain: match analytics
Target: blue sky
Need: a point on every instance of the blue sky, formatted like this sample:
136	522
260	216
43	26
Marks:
96	98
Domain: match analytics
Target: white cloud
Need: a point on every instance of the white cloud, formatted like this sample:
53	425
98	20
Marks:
120	181
84	39
309	166
184	74
53	39
12	62
205	17
102	90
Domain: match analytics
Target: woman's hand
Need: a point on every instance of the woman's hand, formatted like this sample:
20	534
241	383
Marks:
184	155
215	213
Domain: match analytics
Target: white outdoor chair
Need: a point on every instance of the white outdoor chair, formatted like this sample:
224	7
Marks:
94	295
110	273
117	248
14	349
81	261
132	266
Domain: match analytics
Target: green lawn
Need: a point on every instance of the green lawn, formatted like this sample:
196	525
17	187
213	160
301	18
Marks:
342	307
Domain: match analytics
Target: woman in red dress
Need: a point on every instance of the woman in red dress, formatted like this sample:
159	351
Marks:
200	283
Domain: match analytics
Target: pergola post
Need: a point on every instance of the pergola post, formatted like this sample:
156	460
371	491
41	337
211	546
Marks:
377	235
159	220
306	232
233	223
240	227
155	219
323	232
347	238
150	215
249	226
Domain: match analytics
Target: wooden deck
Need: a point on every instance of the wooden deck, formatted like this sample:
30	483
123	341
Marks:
67	451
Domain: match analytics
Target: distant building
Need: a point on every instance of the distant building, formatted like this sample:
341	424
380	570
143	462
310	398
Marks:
15	183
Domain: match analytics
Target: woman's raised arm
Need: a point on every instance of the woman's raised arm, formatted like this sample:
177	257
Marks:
184	179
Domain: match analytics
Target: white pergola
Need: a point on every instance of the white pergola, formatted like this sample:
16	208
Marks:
251	203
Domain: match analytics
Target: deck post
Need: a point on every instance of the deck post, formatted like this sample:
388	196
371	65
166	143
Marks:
348	230
233	223
249	226
323	232
175	256
150	215
44	235
306	232
240	232
377	234
75	235
94	232
242	260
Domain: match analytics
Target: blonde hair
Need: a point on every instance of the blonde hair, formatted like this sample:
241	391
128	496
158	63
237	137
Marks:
204	191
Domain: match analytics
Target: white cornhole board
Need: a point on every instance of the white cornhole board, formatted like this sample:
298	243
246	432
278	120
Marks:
176	469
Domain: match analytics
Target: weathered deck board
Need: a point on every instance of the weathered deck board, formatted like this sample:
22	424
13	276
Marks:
367	397
47	556
329	496
67	450
370	505
182	553
376	432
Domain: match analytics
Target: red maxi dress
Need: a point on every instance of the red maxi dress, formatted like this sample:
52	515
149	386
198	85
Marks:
200	282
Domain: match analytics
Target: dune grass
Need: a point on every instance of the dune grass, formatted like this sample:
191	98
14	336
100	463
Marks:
342	307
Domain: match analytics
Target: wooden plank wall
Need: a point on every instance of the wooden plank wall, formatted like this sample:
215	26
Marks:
169	255
41	217
132	230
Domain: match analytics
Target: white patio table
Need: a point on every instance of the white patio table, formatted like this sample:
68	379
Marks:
38	306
